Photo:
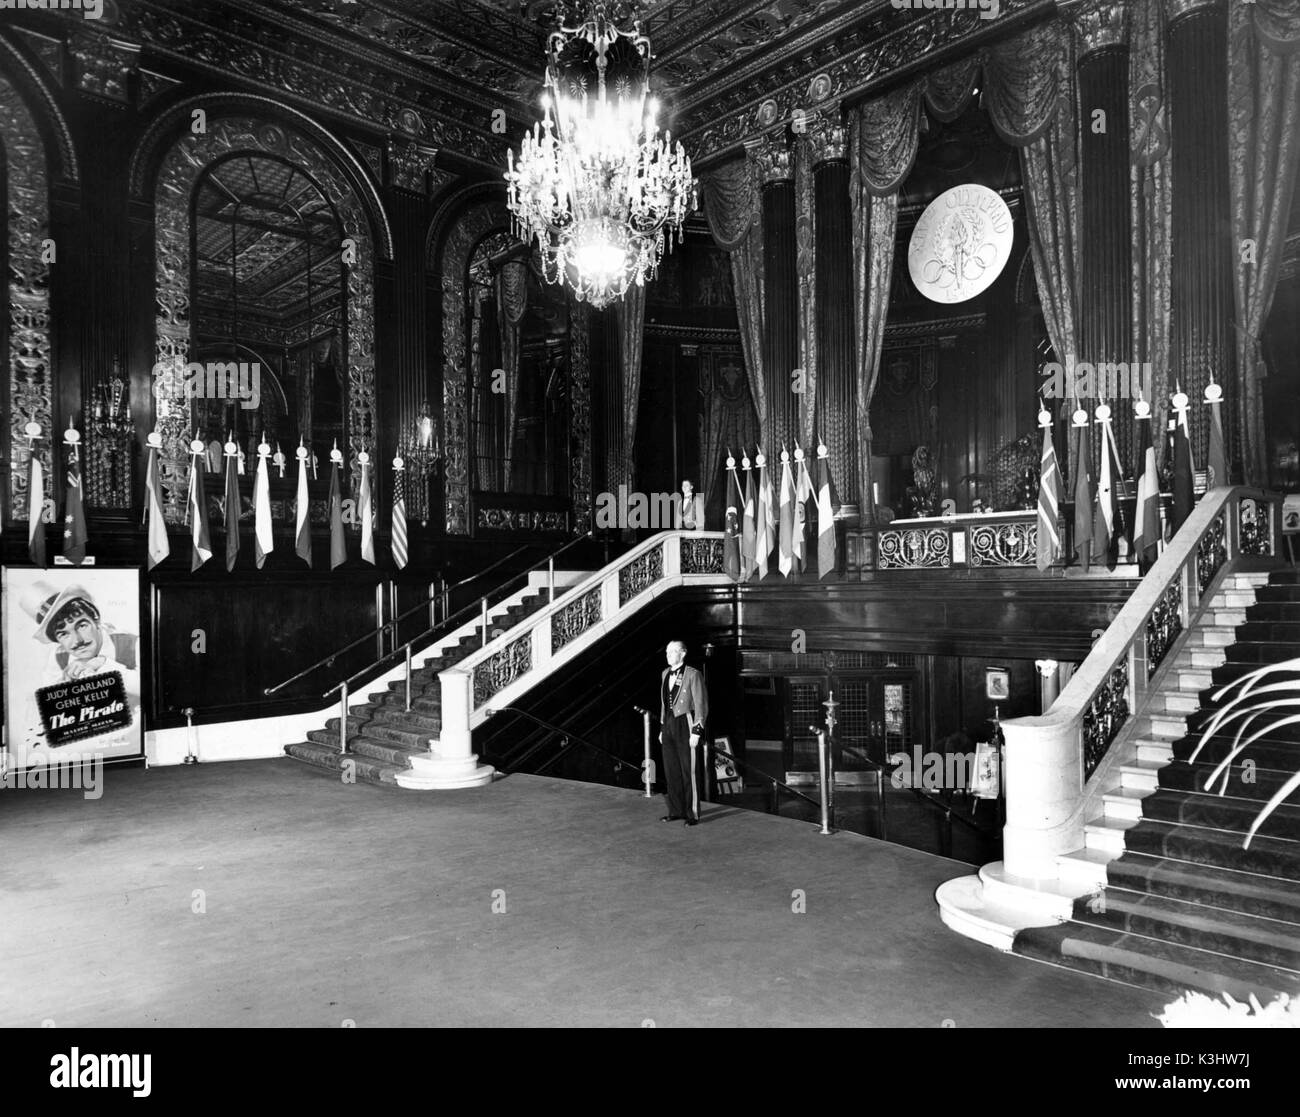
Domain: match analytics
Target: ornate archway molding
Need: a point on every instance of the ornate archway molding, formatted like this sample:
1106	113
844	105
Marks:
181	166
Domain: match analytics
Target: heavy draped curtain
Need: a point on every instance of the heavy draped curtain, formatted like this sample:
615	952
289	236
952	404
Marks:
512	304
630	318
732	205
1263	147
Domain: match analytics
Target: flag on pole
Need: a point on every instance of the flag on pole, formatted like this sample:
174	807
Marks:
1183	467
196	510
338	545
159	547
1217	458
74	508
825	516
748	531
365	511
785	555
1105	512
803	490
35	500
731	543
302	509
765	517
263	536
1146	516
1049	497
399	514
232	502
1082	490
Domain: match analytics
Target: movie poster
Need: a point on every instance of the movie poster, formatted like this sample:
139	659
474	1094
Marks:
71	664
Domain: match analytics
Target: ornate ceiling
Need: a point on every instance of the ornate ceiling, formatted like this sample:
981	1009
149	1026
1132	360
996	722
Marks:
441	72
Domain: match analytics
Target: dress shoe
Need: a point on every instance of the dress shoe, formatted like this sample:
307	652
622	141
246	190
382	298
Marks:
692	822
671	818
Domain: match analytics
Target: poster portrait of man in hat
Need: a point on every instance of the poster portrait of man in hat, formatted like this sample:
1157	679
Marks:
60	637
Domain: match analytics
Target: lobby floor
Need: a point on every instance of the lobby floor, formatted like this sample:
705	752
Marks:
266	893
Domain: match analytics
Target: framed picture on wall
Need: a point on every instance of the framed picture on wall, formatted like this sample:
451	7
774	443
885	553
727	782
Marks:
997	684
71	665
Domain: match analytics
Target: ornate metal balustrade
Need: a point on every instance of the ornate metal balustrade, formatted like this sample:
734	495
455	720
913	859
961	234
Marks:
1060	764
1003	544
503	668
1002	540
639	575
702	556
574	619
913	548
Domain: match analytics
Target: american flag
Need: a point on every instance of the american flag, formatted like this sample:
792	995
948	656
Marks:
399	519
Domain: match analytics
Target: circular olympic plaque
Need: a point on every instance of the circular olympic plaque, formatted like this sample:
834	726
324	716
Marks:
960	245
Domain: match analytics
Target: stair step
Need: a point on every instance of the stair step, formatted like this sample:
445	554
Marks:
1235	934
1193	681
1287	632
1234	599
1141	774
1250	783
1152	964
1259	653
386	751
1266	753
1251	893
1201	658
1221	812
389	734
397	716
1179	702
356	768
1123	804
1212	636
1159	752
1107	834
1162	726
1279	857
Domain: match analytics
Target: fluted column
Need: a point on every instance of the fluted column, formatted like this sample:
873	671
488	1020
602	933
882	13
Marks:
1105	245
781	302
833	231
1200	341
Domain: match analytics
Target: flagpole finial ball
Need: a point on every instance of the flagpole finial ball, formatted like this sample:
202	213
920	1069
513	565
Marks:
1142	409
155	440
363	458
823	451
231	449
32	430
1213	393
785	457
72	436
336	456
731	462
760	461
263	449
798	453
301	453
398	463
745	463
198	447
1180	401
1080	418
1103	413
1044	418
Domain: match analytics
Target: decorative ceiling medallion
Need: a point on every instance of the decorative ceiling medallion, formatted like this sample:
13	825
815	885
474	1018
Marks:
820	88
961	244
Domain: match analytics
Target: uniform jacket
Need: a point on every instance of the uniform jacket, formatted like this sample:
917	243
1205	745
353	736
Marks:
692	702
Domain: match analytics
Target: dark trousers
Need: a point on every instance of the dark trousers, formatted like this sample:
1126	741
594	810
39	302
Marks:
677	766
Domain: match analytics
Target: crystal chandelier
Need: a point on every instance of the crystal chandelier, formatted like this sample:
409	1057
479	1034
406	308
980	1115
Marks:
597	185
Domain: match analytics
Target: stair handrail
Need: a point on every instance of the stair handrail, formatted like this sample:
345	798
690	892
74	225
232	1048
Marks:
565	733
1053	759
328	660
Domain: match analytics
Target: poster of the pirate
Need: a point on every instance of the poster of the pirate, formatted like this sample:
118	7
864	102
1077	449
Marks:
71	665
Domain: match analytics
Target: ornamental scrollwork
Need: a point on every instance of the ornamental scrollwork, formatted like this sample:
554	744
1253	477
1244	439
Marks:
184	163
1211	552
497	672
31	390
574	619
1104	718
1003	544
1163	626
640	574
1253	535
702	556
913	549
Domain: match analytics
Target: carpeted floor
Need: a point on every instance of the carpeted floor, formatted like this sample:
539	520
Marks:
323	902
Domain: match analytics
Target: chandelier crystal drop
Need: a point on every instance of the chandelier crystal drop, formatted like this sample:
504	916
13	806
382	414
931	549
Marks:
596	183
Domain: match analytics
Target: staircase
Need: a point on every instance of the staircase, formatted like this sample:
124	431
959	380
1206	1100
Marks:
1176	903
382	734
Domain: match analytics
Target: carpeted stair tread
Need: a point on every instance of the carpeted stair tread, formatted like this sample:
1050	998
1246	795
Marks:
1220	812
1150	963
386	751
389	734
1204	846
1273	632
1218	930
360	768
1251	893
1256	784
1280	756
